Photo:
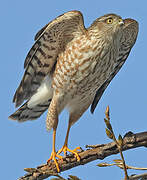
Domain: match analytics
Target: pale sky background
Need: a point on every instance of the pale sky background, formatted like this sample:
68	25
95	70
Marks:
29	144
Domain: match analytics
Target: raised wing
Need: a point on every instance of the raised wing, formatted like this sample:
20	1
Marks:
41	59
130	33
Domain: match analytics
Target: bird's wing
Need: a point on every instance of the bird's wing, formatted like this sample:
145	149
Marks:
130	33
42	57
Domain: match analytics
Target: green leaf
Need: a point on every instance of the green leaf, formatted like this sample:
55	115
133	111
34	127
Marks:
107	122
104	165
109	133
120	140
73	178
117	160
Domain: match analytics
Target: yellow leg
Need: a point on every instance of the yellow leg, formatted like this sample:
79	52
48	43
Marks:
65	146
54	154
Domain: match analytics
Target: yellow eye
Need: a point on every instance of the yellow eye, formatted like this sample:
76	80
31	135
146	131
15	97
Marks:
109	21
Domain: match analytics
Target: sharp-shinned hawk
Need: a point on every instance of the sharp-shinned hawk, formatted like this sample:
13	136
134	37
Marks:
70	66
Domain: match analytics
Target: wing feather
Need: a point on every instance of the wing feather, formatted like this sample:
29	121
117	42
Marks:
129	37
42	57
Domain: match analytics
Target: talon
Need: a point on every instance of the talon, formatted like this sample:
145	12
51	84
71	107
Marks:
77	148
61	150
74	151
53	157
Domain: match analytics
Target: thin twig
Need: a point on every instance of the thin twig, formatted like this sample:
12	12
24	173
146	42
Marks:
110	133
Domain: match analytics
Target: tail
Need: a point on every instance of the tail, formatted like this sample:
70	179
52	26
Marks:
24	113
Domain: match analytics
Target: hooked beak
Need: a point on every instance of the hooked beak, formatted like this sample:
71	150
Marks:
121	22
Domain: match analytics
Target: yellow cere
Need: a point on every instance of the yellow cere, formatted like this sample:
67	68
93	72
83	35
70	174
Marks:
120	20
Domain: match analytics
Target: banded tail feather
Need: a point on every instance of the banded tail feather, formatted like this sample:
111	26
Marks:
24	113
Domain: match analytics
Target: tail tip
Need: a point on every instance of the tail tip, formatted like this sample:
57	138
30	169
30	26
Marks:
12	117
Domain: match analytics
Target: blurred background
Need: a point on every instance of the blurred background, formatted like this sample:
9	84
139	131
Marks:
29	144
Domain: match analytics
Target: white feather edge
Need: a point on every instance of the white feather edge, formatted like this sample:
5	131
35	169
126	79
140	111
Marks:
44	93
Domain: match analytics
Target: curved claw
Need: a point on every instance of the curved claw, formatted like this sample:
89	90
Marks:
53	157
74	151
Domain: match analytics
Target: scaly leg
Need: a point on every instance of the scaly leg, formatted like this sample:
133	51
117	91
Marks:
52	122
65	146
54	154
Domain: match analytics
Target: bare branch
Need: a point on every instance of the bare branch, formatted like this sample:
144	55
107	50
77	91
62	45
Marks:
130	141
